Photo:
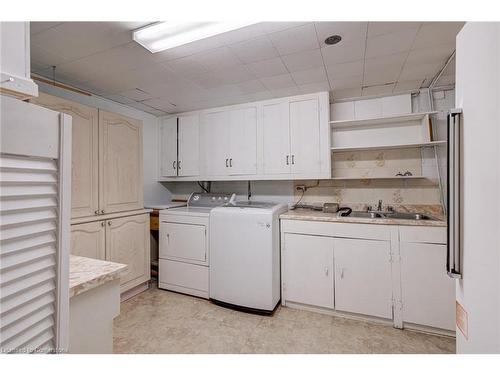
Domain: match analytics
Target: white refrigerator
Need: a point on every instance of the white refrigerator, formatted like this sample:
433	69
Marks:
474	189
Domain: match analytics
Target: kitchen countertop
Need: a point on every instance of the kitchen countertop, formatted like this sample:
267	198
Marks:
87	273
305	214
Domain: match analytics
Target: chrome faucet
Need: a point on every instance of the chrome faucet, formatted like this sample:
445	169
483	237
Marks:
379	206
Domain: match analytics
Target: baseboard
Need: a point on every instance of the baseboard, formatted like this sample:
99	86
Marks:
134	291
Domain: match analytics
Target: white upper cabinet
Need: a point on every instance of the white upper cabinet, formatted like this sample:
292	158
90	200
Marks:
305	155
276	138
243	141
168	147
188	159
283	138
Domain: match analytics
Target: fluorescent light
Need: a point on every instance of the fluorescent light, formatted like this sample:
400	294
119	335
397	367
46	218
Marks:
165	35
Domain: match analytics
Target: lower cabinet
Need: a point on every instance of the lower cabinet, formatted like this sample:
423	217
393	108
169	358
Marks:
428	294
122	240
308	270
363	283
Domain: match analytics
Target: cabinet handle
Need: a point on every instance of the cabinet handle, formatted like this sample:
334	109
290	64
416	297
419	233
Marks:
168	237
109	222
293	159
231	162
227	166
179	165
102	223
96	212
287	160
173	164
326	271
342	272
102	212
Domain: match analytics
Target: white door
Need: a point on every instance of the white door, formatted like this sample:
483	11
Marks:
308	270
243	141
428	293
183	242
168	139
478	94
215	127
188	163
89	240
127	242
120	163
276	138
305	144
363	277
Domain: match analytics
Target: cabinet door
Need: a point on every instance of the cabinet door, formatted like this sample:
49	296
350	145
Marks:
183	242
243	141
276	138
127	242
308	270
363	277
120	163
428	293
84	150
88	240
168	148
189	146
216	148
305	137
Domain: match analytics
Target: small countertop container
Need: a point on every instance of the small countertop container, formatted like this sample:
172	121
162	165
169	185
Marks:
87	273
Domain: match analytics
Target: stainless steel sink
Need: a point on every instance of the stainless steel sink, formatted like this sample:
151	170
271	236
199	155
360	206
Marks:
391	215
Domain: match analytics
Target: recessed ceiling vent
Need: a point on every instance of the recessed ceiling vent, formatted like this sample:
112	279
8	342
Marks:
334	39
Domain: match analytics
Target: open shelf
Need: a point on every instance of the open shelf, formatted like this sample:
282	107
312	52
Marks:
389	147
381	120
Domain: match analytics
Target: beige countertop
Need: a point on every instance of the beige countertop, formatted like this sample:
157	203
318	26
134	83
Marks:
305	214
87	273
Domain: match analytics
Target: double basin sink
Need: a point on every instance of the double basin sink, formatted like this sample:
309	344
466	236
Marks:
390	215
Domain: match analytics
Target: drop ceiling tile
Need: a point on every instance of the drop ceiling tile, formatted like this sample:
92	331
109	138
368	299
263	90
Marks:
251	87
272	27
38	27
224	91
278	82
285	91
377	90
347	50
161	104
73	40
380	28
119	99
136	95
347	82
216	59
344	70
347	93
236	74
207	80
433	54
303	60
408	85
314	87
435	33
314	75
349	31
267	68
206	44
143	107
387	44
297	39
43	56
382	70
188	66
244	33
420	71
254	50
157	90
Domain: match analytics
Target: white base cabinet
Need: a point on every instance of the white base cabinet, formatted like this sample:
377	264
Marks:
122	240
308	270
393	273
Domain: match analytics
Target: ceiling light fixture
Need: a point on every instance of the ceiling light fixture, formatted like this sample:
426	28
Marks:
334	39
165	35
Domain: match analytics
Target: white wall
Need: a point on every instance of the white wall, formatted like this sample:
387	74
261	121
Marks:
154	192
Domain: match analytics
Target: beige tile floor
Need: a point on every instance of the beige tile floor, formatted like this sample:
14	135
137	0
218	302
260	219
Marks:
158	321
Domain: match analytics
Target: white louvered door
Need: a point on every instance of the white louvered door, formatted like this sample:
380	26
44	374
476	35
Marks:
34	211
